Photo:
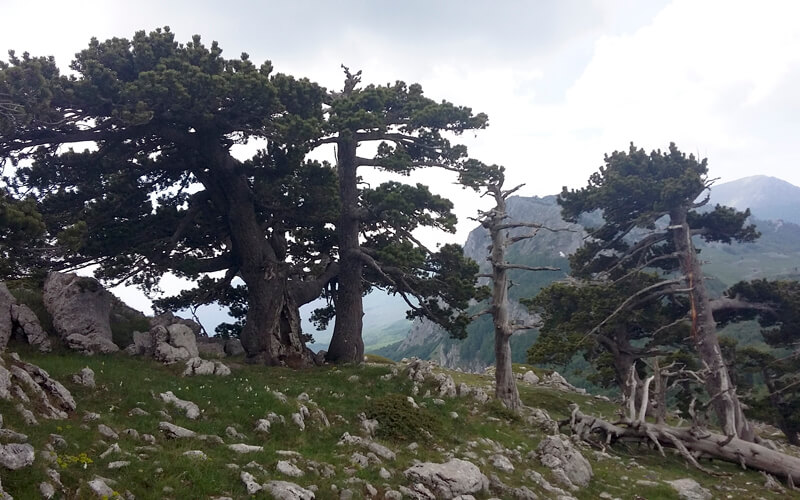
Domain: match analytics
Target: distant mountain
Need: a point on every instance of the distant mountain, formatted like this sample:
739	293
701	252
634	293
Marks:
775	255
768	198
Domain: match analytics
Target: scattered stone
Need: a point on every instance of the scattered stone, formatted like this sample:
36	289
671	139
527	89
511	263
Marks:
91	417
191	409
118	464
384	474
558	454
132	433
198	366
138	412
502	463
231	432
378	449
392	495
284	490
245	448
114	448
173	431
250	483
262	426
288	469
100	488
530	378
27	416
107	432
149	438
85	377
689	489
198	454
45	489
450	479
16	455
297	418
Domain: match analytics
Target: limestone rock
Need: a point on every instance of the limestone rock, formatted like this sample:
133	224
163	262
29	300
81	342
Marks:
100	488
166	319
502	463
6	325
142	344
284	490
233	347
173	431
84	377
376	448
530	378
250	483
198	454
80	308
46	490
558	453
5	383
107	432
191	409
689	489
173	343
288	469
245	448
210	348
198	366
27	324
262	426
16	455
450	479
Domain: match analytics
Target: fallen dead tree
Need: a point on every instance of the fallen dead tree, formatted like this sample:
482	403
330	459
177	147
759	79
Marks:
691	443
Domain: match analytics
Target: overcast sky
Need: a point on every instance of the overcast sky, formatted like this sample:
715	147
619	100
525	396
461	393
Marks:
563	81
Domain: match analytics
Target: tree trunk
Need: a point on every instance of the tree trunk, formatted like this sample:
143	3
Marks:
783	416
718	383
347	346
505	384
272	333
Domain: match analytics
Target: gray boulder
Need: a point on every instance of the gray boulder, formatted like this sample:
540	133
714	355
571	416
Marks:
210	348
167	319
449	480
6	326
81	309
689	489
16	455
85	377
198	366
284	490
233	347
567	463
142	344
27	325
173	343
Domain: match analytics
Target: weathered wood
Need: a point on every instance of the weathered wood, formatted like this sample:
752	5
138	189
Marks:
688	441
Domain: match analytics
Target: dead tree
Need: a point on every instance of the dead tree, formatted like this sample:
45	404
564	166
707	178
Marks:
497	223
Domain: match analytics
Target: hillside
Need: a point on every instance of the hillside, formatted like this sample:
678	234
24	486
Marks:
768	198
775	255
124	436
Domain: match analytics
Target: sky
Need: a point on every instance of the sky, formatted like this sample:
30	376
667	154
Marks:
563	81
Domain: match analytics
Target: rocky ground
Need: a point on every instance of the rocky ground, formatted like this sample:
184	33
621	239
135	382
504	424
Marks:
115	425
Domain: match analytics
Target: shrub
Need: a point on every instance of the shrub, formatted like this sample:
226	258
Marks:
400	421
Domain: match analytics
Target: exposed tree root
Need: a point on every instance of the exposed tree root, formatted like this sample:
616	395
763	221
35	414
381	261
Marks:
690	442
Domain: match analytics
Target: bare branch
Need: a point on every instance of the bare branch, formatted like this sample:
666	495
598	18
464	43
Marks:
527	268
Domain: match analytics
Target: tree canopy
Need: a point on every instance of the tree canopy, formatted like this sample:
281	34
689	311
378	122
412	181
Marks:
158	188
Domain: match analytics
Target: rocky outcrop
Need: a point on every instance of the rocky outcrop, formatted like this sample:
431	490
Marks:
568	465
15	456
449	480
689	489
31	386
19	321
284	490
81	309
173	343
167	319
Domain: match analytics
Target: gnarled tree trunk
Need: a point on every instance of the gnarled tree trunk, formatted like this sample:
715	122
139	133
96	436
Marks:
718	382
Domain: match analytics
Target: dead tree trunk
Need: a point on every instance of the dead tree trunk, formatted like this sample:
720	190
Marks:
495	221
718	383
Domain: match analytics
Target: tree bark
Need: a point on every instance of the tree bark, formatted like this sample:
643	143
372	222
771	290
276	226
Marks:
505	384
347	346
690	442
272	333
718	383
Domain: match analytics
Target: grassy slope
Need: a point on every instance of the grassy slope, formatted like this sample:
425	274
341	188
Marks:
124	383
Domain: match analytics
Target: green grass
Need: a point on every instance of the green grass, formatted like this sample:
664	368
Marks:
343	393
